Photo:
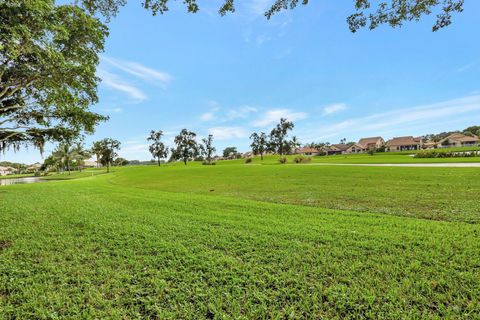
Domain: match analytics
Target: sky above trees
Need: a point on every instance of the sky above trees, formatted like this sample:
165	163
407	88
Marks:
230	76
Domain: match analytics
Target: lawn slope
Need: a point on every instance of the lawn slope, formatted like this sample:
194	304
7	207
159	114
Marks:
431	193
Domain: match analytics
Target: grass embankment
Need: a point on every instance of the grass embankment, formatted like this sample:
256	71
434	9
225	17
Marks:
363	158
116	246
74	174
431	193
14	176
58	176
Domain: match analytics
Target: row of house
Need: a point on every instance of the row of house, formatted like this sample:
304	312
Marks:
406	143
5	171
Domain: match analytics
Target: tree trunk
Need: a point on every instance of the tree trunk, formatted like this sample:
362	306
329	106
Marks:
261	156
68	167
108	167
185	161
159	162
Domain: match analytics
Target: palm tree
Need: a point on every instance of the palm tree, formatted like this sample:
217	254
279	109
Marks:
79	155
294	144
97	151
64	154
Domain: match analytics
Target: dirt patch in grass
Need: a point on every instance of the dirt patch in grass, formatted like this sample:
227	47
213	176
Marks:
5	244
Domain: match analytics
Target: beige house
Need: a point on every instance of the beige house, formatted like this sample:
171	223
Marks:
91	164
458	140
247	154
34	167
404	143
366	144
337	148
429	144
356	148
307	151
6	171
372	143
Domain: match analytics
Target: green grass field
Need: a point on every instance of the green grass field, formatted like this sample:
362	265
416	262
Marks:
243	241
364	159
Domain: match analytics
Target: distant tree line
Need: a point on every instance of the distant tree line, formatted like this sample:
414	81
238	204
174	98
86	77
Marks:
470	131
187	148
71	155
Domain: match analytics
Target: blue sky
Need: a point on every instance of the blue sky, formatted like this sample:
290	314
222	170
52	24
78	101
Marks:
233	75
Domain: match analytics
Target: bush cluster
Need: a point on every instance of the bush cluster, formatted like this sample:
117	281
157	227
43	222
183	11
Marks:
440	154
248	160
282	160
207	163
302	159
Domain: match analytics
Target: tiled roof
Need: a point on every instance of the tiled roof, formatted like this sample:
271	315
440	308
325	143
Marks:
403	141
340	146
461	138
307	150
367	141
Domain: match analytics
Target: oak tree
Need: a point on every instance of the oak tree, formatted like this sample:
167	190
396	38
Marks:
368	13
48	59
186	147
157	148
259	143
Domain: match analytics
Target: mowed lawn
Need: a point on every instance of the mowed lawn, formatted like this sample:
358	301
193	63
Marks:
136	244
377	158
450	194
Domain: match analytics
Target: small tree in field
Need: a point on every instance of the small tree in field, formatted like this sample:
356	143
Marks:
278	137
259	143
97	151
230	152
109	151
157	148
80	155
185	146
207	148
64	154
293	144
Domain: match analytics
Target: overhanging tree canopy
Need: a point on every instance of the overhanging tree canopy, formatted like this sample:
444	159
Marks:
368	13
48	59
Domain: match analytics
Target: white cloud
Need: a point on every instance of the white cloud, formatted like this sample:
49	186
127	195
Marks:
334	108
134	148
258	7
232	114
466	67
261	39
113	81
116	110
273	116
207	116
225	133
140	71
400	120
240	113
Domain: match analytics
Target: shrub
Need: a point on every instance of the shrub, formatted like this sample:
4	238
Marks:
440	154
371	152
206	163
302	159
282	160
248	160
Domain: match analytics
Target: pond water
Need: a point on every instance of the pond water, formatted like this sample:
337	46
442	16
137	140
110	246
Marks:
7	182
